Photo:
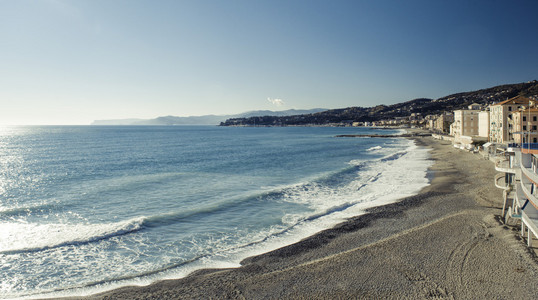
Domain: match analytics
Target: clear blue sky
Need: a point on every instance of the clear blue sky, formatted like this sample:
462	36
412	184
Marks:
71	62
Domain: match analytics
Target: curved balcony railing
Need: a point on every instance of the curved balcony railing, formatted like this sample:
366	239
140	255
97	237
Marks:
528	172
528	195
504	166
527	210
530	218
502	184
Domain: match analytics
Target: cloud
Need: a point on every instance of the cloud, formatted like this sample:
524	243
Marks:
277	102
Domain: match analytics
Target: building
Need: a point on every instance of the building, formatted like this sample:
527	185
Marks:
519	180
525	124
415	118
475	106
442	123
483	124
501	116
430	124
465	123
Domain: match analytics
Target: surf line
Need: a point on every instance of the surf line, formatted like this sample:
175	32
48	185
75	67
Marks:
384	135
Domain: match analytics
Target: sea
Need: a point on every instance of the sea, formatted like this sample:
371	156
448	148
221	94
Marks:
85	209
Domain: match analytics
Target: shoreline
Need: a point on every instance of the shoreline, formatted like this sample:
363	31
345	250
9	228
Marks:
405	249
406	135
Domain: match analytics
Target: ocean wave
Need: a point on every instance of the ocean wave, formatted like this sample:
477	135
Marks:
306	192
26	237
27	210
316	189
327	212
394	156
375	177
374	148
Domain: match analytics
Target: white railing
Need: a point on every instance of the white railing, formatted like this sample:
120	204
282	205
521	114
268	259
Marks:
504	166
528	194
502	185
530	174
531	223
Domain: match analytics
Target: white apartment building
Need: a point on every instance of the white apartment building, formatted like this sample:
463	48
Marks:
483	124
501	117
465	123
526	126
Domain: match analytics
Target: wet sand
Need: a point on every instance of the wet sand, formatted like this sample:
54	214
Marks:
445	242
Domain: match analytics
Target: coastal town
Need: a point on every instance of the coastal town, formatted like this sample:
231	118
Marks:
498	123
506	133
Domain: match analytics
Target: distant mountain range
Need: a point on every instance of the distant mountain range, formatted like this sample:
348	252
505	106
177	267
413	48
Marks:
423	106
205	120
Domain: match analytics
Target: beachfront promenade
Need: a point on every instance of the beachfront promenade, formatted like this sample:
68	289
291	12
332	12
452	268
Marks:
449	241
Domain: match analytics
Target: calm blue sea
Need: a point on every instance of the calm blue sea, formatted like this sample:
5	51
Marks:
85	209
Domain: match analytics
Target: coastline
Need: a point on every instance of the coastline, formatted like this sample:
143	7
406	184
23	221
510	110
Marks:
443	242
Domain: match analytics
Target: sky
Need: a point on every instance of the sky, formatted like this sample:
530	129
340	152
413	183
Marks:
72	62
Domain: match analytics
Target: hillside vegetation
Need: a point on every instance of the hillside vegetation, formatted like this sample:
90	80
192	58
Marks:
424	106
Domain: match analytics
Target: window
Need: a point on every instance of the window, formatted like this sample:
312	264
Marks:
534	140
524	118
533	127
524	127
509	108
534	118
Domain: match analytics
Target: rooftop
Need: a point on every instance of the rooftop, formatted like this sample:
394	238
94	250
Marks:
515	100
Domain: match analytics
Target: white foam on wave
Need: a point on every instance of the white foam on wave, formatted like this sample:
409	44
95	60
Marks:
365	187
374	148
382	182
18	237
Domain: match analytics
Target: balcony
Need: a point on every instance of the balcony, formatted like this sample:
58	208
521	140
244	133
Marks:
529	213
529	216
528	172
504	166
531	146
500	182
527	195
528	148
